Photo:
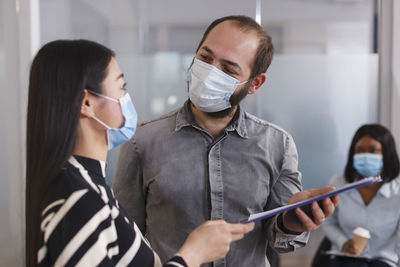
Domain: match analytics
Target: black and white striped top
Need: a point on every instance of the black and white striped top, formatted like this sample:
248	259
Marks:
83	225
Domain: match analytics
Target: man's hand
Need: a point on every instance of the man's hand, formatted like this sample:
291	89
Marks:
310	217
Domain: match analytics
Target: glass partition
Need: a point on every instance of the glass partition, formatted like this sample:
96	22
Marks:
321	86
12	195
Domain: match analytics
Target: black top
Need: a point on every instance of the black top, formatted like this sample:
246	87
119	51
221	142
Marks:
83	224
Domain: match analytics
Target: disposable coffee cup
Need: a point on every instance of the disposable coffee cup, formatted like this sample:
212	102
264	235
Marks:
360	238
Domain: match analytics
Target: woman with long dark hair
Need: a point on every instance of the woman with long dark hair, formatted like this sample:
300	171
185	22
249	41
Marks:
374	207
78	109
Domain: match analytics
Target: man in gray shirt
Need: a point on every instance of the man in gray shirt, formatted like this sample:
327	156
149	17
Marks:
211	160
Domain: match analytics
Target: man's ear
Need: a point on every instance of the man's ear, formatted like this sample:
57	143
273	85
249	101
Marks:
87	105
257	82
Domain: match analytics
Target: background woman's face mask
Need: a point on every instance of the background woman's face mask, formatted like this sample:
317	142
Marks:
210	89
368	164
121	135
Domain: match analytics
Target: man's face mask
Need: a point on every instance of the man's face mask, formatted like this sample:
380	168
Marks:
210	89
368	164
120	136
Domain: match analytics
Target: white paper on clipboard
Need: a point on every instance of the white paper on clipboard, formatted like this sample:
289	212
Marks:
343	254
347	187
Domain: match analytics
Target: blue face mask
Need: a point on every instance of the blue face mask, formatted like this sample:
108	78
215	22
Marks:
122	135
368	164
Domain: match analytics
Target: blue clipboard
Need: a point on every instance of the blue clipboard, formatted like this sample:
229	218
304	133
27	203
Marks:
351	186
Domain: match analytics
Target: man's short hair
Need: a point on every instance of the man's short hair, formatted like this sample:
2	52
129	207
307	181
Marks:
265	50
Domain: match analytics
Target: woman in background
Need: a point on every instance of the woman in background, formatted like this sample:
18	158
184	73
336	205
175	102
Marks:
78	109
374	207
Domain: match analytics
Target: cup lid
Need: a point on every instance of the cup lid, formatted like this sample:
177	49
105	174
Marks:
362	232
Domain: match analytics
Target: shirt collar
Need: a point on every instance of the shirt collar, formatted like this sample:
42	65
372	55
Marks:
391	188
185	118
97	167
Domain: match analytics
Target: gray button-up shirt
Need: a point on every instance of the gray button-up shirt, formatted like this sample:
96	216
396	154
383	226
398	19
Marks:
173	175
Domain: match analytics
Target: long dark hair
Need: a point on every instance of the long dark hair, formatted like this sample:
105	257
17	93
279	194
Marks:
391	165
59	74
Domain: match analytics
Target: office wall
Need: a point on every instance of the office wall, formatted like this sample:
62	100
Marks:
18	42
321	86
11	187
395	125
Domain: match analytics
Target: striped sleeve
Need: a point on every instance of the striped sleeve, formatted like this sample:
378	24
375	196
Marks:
83	230
78	231
176	261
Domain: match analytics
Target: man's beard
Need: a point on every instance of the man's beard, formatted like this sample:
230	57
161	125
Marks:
235	100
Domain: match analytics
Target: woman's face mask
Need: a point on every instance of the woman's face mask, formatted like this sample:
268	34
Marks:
368	164
121	135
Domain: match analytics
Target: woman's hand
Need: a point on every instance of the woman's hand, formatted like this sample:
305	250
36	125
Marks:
211	241
350	247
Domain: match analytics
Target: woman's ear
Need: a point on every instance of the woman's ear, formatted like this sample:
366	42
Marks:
257	82
87	105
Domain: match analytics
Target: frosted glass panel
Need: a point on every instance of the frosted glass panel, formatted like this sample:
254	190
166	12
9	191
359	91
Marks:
321	100
4	197
11	181
321	86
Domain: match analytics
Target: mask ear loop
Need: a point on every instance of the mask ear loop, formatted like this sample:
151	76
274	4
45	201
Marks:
102	123
248	80
103	96
108	98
